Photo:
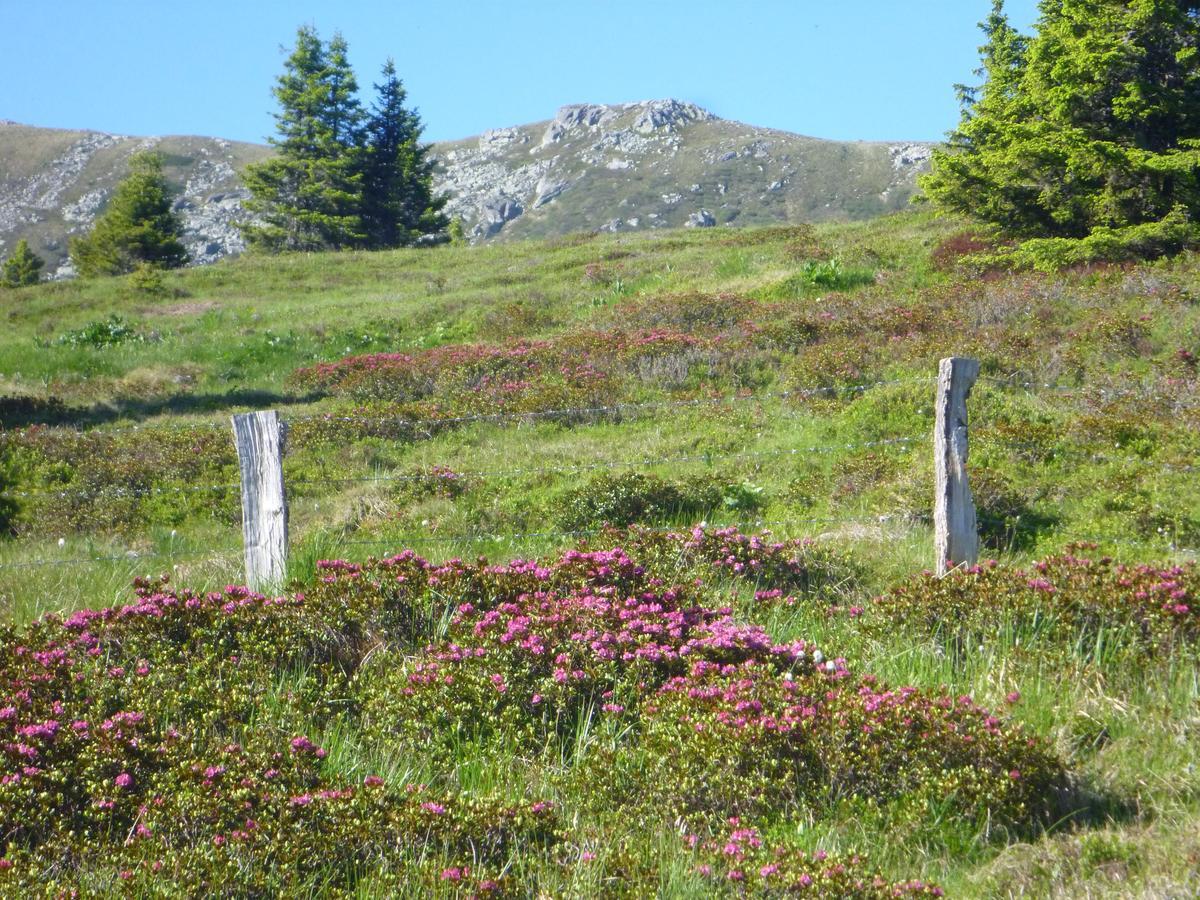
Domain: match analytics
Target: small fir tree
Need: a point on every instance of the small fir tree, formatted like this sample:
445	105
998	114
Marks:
399	205
137	227
308	197
23	268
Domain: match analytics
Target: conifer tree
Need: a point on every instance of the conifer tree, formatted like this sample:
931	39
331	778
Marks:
137	227
23	268
309	196
1087	128
399	206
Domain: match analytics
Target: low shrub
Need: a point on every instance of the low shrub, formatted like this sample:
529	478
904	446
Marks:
689	313
430	481
739	861
105	333
164	746
818	275
1101	608
627	498
122	481
950	251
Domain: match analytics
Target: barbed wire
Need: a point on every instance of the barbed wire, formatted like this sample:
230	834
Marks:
400	541
500	537
647	461
129	556
77	429
1037	388
989	440
133	556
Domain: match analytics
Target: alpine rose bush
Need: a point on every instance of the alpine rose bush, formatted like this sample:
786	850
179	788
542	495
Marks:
173	744
1069	599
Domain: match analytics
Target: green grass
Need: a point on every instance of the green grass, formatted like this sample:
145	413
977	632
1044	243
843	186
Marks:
1105	453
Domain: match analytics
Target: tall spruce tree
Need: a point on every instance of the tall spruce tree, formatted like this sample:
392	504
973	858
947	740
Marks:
137	227
1091	127
23	268
309	196
399	205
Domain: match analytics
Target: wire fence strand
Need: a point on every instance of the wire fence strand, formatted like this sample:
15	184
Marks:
646	461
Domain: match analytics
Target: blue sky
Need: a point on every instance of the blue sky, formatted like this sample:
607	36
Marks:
861	69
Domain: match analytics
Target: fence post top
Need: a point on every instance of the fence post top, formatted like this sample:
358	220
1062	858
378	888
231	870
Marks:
960	365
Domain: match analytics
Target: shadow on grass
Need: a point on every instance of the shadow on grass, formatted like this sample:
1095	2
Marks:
1014	533
1083	805
21	412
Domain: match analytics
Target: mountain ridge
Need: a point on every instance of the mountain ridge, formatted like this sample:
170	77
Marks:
603	167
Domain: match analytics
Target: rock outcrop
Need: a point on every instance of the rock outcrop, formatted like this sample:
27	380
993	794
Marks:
622	167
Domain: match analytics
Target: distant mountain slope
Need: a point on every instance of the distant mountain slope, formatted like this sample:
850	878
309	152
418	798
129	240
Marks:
644	165
53	183
666	163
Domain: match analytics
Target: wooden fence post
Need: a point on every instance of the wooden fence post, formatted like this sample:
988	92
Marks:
260	437
956	535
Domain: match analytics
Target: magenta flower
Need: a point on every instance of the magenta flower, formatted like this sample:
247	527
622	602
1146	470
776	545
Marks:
123	781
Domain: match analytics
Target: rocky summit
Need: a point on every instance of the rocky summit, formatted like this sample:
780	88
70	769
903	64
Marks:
593	167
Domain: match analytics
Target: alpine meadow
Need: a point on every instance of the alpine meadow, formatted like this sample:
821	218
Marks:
664	516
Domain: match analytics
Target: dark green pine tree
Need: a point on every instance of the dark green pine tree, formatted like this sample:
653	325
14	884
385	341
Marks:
23	268
1091	127
308	197
138	227
399	205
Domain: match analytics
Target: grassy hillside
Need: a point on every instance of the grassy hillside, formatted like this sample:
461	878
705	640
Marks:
54	182
516	400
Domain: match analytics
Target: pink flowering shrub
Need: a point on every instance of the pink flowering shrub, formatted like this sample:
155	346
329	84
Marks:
1069	600
172	745
126	746
739	861
97	482
590	368
729	720
747	740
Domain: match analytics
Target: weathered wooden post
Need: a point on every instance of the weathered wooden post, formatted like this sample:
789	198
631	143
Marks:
955	532
260	437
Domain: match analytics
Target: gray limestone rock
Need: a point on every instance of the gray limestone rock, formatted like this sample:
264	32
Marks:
548	191
495	215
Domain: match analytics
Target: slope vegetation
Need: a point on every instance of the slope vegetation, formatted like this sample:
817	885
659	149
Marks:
606	575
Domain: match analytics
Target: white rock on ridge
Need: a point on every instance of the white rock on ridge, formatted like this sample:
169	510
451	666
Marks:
586	115
502	136
84	210
210	229
909	156
701	219
44	191
655	115
577	117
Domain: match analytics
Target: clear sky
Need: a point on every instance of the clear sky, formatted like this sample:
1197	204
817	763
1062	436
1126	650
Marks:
855	69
